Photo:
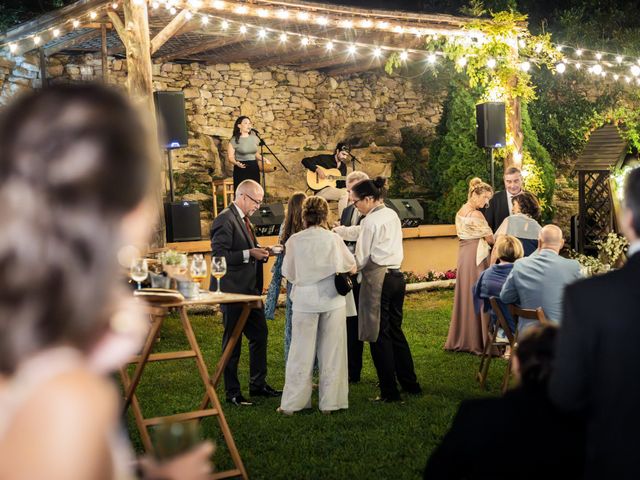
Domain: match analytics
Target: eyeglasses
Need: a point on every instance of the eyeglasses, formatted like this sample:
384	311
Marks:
257	202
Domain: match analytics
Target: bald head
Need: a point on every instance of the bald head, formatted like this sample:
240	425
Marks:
550	237
249	196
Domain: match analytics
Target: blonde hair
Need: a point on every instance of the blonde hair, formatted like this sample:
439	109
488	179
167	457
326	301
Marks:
508	248
357	176
478	187
315	212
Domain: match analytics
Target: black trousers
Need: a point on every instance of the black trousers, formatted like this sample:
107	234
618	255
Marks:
354	345
256	332
391	354
250	172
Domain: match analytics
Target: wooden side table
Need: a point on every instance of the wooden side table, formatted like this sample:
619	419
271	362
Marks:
223	186
159	303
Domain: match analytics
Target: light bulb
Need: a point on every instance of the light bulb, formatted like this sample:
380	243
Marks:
346	24
282	13
366	23
579	52
304	41
172	10
114	5
204	20
13	47
491	63
224	24
93	15
619	59
36	40
262	33
329	45
75	23
561	67
243	29
188	15
597	69
56	32
635	70
241	10
352	49
283	37
598	55
263	13
525	66
322	20
377	52
462	61
302	15
218	4
432	58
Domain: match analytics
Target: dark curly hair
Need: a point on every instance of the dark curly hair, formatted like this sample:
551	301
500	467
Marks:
535	352
74	159
529	204
315	212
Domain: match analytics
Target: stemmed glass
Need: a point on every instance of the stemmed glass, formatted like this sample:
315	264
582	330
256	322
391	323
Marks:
139	270
198	268
218	270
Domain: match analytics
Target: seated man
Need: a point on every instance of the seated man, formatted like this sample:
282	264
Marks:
320	164
539	280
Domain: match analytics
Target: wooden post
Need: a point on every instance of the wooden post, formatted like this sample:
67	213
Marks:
103	52
514	114
139	82
43	67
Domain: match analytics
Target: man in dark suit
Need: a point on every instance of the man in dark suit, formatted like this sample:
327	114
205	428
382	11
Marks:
350	218
232	237
596	371
500	205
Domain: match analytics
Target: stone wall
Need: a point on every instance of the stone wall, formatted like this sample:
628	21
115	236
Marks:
298	113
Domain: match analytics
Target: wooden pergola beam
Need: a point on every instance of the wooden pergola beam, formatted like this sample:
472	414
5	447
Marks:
358	67
72	42
118	25
217	42
169	31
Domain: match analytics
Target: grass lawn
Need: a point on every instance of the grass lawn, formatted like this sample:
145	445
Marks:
369	440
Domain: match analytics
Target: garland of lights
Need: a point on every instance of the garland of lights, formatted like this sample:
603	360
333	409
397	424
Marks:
601	64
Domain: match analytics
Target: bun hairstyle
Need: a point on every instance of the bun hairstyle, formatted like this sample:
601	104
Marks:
478	187
315	212
74	159
375	188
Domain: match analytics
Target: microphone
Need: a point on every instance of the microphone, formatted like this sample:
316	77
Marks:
255	131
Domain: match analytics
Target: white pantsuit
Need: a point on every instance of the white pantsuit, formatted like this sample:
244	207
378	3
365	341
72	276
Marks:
319	320
323	333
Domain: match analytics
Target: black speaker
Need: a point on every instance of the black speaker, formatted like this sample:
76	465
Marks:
172	119
267	219
491	125
408	209
183	221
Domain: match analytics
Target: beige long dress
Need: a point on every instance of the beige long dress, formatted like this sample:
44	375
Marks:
468	330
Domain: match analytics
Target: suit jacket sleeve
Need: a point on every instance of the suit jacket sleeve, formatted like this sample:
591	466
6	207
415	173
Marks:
222	236
490	213
509	292
448	460
569	383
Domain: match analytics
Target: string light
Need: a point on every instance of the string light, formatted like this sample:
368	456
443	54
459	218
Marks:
155	5
525	66
366	23
56	33
263	13
304	41
302	15
172	10
329	45
283	13
218	4
262	33
635	70
243	29
579	52
377	52
114	5
322	21
462	61
188	15
619	59
283	37
36	40
241	10
491	63
93	15
205	20
13	47
432	58
224	25
404	55
561	67
346	24
352	49
599	56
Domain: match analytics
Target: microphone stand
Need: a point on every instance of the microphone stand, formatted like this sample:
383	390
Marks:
263	144
353	161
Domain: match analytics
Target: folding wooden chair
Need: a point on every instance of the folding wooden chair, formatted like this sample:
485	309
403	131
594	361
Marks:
490	342
517	313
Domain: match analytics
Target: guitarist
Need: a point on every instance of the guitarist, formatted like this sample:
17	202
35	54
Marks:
338	160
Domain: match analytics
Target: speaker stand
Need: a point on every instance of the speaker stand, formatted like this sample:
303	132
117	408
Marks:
171	189
493	168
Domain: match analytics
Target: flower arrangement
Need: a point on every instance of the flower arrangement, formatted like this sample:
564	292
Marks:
611	253
611	250
430	276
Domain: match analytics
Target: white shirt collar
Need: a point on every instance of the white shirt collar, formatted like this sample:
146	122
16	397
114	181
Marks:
240	212
633	248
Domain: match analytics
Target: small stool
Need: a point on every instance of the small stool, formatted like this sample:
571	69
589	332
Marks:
227	193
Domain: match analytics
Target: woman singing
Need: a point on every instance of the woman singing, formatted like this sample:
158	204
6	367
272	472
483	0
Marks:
378	256
243	153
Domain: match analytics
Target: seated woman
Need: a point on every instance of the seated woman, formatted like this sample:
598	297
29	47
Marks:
313	257
68	208
507	249
523	223
518	436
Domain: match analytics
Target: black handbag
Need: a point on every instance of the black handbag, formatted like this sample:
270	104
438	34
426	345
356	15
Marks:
343	283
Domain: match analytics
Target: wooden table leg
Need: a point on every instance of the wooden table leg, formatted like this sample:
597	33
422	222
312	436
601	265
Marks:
212	396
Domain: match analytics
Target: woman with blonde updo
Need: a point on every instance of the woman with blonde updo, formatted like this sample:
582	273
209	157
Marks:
467	330
313	257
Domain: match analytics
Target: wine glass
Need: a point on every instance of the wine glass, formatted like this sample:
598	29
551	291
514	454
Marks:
218	270
139	270
198	268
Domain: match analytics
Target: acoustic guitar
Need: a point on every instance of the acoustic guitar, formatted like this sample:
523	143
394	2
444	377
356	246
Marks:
332	175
